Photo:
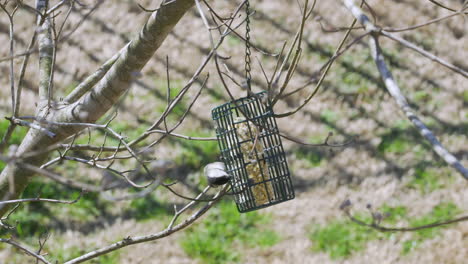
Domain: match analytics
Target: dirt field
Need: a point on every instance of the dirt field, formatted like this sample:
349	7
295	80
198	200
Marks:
388	164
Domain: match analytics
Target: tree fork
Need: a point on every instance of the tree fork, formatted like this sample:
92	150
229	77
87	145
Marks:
91	106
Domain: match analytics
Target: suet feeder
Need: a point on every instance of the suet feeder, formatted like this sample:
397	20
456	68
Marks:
252	151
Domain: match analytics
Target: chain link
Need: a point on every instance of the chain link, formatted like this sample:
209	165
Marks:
248	68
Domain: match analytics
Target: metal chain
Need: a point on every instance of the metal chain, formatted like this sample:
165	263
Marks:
248	68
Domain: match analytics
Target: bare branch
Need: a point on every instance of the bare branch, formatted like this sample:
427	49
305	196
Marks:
395	91
187	206
325	65
296	58
42	241
322	77
91	80
25	249
15	99
377	218
65	181
140	239
11	34
46	54
84	18
422	24
425	53
22	73
19	122
26	200
57	6
326	142
106	127
443	6
2	220
196	199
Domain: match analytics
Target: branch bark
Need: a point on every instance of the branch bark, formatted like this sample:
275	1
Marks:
25	249
396	93
92	105
166	232
46	50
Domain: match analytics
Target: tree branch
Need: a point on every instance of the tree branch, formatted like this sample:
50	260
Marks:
46	50
395	91
25	249
140	239
90	107
425	53
90	81
38	199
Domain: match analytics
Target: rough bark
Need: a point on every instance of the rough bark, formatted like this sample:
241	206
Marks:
91	106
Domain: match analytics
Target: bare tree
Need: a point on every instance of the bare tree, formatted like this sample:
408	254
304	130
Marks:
56	124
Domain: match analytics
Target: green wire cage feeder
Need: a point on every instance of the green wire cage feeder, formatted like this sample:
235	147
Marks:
252	151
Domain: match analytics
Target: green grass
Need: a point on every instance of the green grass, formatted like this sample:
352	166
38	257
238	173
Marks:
233	41
465	97
402	124
402	138
196	154
425	180
127	130
354	83
61	254
421	39
15	138
148	208
396	141
441	212
421	97
33	219
341	238
394	145
329	116
393	214
222	236
70	87
312	155
180	108
17	135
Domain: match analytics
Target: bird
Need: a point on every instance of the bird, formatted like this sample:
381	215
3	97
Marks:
216	174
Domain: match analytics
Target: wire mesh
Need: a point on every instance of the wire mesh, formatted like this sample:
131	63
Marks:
253	153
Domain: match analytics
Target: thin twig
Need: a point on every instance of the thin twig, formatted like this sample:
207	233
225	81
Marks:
140	239
422	24
379	227
11	35
38	199
443	6
425	53
32	125
326	142
25	249
322	77
377	217
187	206
396	93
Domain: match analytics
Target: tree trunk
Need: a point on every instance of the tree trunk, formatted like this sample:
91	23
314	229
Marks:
91	106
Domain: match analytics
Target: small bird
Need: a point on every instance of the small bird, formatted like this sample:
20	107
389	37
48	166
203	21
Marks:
216	174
